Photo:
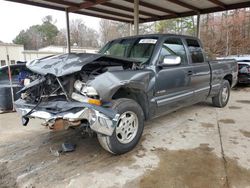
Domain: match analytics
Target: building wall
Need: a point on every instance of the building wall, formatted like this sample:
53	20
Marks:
14	52
31	55
17	52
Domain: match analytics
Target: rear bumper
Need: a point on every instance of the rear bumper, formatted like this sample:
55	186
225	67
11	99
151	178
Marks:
101	120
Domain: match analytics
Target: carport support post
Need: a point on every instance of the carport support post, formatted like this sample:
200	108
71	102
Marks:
136	17
68	30
10	78
198	26
130	29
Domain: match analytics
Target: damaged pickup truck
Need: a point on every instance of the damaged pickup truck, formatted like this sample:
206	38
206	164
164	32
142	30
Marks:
130	80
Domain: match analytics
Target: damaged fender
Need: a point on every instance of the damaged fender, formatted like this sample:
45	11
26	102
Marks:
108	83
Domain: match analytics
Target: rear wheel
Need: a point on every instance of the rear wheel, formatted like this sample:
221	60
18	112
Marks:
128	130
222	98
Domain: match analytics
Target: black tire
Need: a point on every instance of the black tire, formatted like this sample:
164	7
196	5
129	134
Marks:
112	143
219	100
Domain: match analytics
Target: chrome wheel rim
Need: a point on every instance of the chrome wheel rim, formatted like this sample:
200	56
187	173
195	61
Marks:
224	94
127	127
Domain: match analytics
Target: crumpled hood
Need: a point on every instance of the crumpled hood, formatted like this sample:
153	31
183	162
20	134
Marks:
60	65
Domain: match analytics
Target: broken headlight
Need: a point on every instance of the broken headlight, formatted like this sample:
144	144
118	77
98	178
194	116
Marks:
87	93
85	90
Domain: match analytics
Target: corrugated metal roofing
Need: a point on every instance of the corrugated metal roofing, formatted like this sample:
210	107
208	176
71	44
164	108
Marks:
149	10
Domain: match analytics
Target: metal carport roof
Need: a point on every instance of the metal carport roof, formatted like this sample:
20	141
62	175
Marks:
149	10
137	11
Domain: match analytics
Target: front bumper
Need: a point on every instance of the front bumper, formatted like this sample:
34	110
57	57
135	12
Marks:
101	120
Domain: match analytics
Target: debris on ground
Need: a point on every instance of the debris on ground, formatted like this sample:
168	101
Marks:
66	147
55	153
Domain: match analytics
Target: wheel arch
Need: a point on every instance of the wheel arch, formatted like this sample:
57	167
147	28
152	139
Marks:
135	94
229	78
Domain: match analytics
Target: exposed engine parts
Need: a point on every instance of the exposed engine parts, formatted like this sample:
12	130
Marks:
64	94
61	124
69	87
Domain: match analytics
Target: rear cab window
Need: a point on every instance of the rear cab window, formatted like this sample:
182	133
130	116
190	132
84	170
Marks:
195	51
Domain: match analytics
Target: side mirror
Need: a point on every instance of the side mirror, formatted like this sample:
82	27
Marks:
171	60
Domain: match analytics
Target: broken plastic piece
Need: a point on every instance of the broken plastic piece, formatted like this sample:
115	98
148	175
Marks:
55	153
25	121
68	147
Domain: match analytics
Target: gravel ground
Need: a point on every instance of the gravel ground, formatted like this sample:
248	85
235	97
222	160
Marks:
198	146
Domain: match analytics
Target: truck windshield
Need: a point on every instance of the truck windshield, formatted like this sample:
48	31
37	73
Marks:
139	49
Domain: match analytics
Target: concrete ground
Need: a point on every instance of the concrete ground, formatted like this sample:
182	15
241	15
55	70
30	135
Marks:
198	146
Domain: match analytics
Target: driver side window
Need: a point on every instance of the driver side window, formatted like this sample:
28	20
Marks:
173	46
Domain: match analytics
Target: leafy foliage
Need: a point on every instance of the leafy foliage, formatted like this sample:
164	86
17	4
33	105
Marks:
38	36
226	33
177	26
110	30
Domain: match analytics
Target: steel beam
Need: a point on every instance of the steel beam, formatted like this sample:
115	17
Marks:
154	7
86	5
125	8
64	3
202	11
198	26
136	17
183	4
68	30
219	3
130	29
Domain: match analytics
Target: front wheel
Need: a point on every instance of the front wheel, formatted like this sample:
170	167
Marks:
128	130
222	98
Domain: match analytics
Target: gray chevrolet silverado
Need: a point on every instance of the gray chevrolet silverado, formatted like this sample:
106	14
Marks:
130	80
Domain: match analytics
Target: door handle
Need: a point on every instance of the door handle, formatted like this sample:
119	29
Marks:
189	73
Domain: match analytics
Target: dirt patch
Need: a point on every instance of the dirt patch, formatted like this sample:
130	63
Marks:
205	147
145	137
227	121
244	101
235	142
234	107
207	125
6	179
238	176
242	87
204	169
31	163
245	133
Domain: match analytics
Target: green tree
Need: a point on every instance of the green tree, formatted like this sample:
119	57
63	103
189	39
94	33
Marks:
177	26
38	36
48	31
110	30
30	38
21	38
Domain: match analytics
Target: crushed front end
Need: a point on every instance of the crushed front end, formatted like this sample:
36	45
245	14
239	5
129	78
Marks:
101	120
68	98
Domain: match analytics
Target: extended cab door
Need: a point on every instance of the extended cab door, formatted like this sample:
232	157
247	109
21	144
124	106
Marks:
173	82
201	70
